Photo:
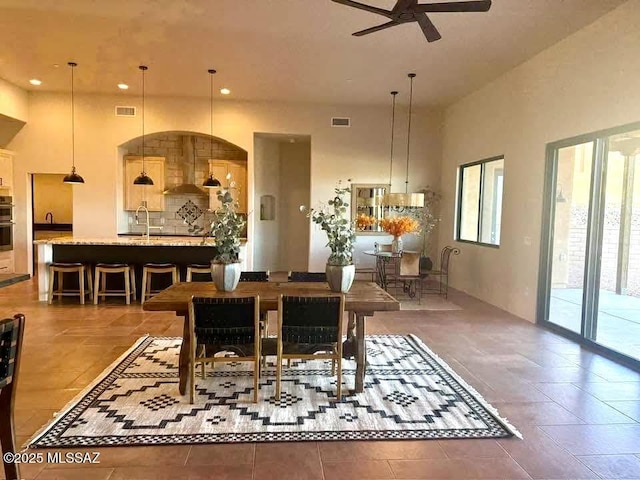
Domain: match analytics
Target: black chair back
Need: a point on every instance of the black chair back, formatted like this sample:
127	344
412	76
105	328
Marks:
11	335
314	320
224	321
254	276
307	277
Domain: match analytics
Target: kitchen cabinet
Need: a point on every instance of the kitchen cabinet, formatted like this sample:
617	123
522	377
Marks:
6	171
6	262
134	195
237	183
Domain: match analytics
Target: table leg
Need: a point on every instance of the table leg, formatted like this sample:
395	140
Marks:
349	345
183	368
361	353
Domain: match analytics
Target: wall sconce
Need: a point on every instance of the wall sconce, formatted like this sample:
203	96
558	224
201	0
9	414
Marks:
559	196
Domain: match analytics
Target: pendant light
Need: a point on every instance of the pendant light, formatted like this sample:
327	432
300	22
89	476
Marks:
406	199
211	181
387	197
73	177
143	178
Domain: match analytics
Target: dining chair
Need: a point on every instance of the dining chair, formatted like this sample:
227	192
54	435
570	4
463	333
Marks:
310	328
224	325
258	276
407	274
307	277
442	273
11	336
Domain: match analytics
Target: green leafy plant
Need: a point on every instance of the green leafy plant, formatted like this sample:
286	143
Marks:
427	217
227	227
332	218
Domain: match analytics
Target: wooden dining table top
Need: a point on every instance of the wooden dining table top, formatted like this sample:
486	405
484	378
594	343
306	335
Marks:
362	297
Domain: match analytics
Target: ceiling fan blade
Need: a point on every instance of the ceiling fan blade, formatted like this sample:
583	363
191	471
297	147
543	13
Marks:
375	29
402	5
471	6
362	6
428	28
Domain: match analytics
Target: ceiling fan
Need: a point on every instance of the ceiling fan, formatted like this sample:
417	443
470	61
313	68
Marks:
411	11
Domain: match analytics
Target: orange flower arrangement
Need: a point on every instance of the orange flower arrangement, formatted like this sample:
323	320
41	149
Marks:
398	226
363	221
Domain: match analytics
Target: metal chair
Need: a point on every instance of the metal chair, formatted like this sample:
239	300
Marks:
407	274
307	277
442	273
11	336
310	327
224	325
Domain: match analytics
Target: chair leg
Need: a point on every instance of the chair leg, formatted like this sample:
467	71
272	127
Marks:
51	279
132	274
89	282
256	376
127	286
96	287
175	278
81	284
60	284
192	375
333	367
143	294
339	365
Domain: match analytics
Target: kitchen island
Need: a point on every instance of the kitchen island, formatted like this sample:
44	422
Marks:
135	251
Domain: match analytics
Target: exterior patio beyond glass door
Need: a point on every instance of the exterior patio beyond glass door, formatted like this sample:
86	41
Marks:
618	306
573	169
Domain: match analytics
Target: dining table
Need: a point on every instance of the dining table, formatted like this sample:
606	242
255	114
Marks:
361	301
384	260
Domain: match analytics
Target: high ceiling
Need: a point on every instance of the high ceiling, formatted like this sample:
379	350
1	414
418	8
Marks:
275	50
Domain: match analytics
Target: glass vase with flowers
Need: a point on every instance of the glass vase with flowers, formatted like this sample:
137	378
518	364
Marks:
398	226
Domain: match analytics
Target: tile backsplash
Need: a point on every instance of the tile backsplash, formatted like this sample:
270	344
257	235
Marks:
184	214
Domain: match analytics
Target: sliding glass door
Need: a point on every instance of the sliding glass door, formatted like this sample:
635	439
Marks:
590	262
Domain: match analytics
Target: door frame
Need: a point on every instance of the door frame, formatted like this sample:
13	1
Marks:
589	321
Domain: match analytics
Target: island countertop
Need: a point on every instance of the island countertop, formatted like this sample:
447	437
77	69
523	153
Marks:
139	241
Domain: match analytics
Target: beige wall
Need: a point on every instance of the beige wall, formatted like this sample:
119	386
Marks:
585	83
360	152
13	101
53	196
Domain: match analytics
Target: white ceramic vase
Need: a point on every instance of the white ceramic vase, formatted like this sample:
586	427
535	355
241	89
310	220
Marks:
226	275
340	277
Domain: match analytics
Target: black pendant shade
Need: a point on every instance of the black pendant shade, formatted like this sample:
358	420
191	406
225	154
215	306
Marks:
211	181
73	177
143	178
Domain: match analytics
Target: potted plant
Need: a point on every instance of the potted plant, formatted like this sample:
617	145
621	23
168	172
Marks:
332	218
428	219
226	227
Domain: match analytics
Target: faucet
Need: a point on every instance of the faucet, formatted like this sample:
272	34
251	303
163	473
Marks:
49	217
144	208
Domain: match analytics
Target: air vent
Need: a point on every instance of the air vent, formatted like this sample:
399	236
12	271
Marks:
340	122
125	111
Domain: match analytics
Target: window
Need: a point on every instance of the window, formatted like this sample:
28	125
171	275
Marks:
480	201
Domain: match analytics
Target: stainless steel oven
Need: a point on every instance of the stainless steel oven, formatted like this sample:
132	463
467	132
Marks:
6	223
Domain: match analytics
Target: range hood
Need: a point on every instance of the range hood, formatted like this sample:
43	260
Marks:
188	164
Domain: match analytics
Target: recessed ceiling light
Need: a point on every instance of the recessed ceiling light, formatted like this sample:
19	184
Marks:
225	91
123	86
35	81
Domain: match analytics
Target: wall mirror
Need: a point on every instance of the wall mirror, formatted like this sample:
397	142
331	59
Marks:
366	207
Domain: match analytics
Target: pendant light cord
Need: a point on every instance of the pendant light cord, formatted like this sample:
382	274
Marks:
393	123
211	72
73	125
406	183
143	68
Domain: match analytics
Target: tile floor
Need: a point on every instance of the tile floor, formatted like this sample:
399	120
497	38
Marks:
579	412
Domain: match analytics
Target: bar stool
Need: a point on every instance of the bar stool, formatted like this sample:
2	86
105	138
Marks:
102	269
60	269
197	268
152	268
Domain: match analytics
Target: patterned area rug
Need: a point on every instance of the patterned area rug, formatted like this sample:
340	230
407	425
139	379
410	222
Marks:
409	394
